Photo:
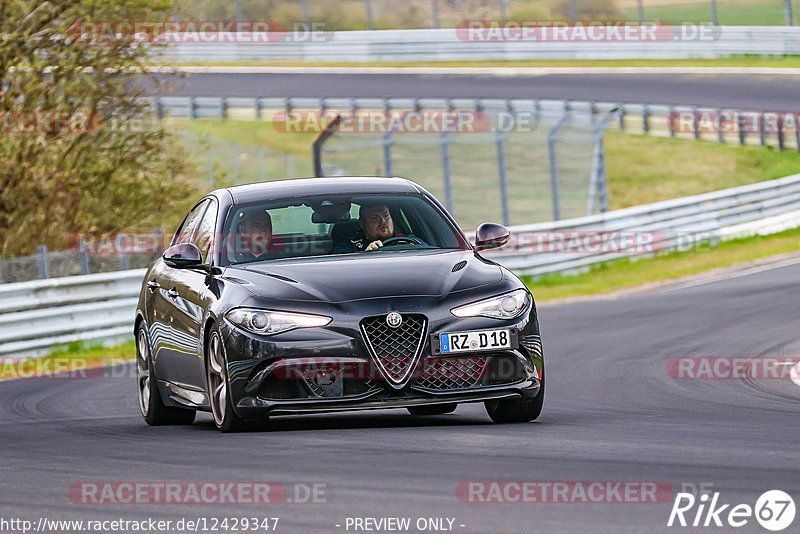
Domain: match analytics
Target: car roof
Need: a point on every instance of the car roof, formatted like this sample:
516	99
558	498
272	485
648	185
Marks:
339	185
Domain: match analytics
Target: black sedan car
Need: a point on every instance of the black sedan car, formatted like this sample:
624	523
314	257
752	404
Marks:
332	294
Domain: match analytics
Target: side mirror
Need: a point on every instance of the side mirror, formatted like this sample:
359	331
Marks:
491	235
182	255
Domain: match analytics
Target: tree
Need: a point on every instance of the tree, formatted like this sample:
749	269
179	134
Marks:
79	151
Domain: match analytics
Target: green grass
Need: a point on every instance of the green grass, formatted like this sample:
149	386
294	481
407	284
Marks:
729	12
74	358
744	61
632	273
642	169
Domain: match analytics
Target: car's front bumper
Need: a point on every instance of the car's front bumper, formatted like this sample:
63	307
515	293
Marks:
277	375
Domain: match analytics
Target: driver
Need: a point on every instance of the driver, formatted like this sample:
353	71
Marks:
254	239
376	224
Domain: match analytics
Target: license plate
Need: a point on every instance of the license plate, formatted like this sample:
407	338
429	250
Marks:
476	340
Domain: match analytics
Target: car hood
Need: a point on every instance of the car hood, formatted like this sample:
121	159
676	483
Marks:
349	277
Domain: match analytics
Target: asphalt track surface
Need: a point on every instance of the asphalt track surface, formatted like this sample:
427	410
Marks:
612	414
736	91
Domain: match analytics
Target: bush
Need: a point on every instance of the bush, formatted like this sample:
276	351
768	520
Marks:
106	168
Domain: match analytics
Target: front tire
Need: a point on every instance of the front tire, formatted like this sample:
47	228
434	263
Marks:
436	409
150	403
219	391
517	410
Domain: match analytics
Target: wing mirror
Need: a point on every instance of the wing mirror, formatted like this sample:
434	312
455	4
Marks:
182	256
491	235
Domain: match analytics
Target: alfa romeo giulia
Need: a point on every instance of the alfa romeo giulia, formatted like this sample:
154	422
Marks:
332	294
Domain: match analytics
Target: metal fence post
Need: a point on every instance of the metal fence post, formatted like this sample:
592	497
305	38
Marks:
306	12
646	119
781	138
257	108
762	135
158	244
740	125
223	107
159	108
435	13
720	124
124	262
84	256
1	270
44	266
640	5
598	186
503	6
551	146
501	173
573	11
696	123
787	9
714	19
387	153
192	107
370	18
671	121
448	187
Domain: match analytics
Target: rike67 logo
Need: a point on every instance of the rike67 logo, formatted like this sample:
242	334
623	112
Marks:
774	510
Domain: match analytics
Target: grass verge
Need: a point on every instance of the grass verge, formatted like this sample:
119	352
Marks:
632	273
642	169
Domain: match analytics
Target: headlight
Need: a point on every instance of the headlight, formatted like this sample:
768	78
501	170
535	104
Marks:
267	323
506	306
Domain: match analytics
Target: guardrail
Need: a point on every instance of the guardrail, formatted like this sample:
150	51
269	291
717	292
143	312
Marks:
454	45
36	315
39	314
572	245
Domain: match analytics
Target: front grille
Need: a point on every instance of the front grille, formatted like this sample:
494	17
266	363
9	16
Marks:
395	350
442	374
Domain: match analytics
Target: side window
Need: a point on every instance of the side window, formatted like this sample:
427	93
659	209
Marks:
204	238
187	230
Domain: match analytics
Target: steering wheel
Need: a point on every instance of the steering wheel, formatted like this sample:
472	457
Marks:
401	240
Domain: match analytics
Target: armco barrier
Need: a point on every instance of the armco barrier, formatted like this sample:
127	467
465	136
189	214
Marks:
100	307
447	45
761	208
36	315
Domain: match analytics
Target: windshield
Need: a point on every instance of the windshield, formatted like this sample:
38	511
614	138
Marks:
331	225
